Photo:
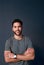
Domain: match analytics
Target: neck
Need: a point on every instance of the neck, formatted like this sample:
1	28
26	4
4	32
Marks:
18	37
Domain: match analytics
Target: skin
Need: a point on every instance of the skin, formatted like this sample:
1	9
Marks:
29	54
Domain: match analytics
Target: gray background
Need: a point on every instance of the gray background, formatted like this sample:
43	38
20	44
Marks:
31	12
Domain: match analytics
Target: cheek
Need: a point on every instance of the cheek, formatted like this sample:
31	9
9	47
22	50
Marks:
13	29
20	28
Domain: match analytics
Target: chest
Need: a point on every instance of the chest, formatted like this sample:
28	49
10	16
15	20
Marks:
18	47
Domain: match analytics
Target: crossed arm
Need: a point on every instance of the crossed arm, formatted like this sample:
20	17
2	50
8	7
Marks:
29	54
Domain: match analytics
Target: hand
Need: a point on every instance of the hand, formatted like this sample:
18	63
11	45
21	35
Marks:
11	55
29	50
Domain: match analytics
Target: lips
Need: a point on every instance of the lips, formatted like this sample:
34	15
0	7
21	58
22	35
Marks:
17	31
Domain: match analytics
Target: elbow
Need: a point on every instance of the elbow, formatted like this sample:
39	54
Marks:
6	60
33	57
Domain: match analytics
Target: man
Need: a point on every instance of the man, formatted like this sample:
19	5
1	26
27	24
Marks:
18	48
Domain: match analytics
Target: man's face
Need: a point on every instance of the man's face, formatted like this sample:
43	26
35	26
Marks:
17	28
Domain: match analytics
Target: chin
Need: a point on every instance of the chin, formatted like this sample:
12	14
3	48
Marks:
18	34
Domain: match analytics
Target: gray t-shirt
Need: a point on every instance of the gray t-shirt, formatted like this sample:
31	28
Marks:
18	47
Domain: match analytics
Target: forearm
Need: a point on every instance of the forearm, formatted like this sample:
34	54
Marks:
11	60
29	54
9	57
25	57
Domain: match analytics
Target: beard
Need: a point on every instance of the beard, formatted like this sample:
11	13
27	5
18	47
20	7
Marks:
17	33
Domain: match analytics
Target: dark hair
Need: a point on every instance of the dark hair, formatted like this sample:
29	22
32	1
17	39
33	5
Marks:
17	20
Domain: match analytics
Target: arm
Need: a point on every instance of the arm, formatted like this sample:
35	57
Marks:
28	55
8	56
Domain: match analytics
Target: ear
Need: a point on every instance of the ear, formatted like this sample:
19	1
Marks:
12	28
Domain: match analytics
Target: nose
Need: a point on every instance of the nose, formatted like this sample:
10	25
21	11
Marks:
17	28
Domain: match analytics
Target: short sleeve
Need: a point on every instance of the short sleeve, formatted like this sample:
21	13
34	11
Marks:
7	45
28	42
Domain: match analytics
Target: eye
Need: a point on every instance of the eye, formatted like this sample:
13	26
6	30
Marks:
14	26
19	26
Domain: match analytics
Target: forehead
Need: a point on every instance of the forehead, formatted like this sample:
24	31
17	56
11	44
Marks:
16	24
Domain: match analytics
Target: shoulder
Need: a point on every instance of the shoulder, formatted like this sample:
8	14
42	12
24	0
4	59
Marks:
9	39
27	37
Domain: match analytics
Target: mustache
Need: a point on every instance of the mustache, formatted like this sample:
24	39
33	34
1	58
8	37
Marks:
17	30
